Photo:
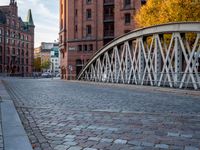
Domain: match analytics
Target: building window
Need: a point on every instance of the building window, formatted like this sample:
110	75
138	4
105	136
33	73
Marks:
13	42
90	47
22	52
143	2
127	3
127	18
61	39
78	62
0	31
0	40
1	50
13	51
79	47
8	50
85	47
76	28
22	61
7	32
109	30
109	13
76	12
88	1
7	41
88	14
88	30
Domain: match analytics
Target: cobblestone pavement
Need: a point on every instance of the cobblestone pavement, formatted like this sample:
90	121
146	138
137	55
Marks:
63	115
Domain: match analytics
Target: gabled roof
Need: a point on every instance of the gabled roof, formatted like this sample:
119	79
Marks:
30	18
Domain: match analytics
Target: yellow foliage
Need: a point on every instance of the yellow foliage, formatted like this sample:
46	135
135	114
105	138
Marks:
165	11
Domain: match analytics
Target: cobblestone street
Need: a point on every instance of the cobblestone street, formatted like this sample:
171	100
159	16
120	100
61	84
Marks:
63	115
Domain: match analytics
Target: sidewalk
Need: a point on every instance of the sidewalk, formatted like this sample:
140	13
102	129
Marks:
177	91
12	133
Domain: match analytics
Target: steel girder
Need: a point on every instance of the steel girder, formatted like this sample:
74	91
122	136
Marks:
164	55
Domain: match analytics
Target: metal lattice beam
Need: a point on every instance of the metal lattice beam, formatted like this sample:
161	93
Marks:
165	55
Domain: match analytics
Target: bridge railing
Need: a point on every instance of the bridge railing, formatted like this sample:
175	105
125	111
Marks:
164	55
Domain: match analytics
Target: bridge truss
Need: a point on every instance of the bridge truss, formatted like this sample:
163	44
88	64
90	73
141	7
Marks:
165	55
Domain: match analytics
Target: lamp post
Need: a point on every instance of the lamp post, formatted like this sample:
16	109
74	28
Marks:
70	71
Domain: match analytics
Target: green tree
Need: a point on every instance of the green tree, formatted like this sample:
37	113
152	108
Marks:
165	11
37	64
46	64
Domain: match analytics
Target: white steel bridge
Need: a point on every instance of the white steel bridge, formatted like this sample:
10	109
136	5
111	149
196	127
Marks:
164	55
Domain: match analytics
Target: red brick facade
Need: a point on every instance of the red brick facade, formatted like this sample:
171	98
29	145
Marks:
87	25
16	41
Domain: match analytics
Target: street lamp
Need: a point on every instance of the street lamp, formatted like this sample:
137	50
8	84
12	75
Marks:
70	71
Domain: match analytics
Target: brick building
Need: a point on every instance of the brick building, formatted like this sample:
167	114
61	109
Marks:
16	41
87	25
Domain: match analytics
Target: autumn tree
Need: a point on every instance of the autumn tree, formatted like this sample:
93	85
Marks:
165	11
37	64
46	64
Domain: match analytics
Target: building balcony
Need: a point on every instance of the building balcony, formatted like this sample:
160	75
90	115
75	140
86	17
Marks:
109	2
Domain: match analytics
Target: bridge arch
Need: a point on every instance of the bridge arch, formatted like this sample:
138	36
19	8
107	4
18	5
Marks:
163	55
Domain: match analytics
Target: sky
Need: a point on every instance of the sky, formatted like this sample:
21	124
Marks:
45	16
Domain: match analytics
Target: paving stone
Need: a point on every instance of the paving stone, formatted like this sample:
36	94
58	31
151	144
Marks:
120	141
191	148
101	128
70	143
61	147
106	140
75	148
134	142
137	148
94	139
147	144
70	136
164	146
102	145
51	134
92	127
60	135
173	134
76	129
186	135
112	129
68	140
89	149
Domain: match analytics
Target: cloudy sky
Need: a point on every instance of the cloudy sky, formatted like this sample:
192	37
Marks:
45	16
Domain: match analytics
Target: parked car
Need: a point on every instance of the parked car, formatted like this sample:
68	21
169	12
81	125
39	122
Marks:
58	75
46	75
